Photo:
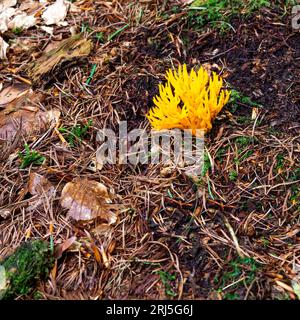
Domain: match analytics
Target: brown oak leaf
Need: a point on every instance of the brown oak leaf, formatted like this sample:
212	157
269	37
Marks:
87	200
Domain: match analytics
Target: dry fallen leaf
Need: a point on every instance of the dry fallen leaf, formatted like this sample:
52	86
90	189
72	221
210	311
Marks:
39	185
3	48
26	122
56	12
5	16
22	21
11	93
87	200
61	248
24	117
11	18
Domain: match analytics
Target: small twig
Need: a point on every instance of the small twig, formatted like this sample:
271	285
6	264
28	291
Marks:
234	238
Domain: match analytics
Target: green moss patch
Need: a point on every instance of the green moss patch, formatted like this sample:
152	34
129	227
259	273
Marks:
31	262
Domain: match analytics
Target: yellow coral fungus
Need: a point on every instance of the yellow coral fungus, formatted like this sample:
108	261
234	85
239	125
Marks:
188	100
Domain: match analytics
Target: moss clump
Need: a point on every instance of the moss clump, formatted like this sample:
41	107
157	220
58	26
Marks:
31	262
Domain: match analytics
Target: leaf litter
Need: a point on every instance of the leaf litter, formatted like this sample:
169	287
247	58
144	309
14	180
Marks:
27	14
87	200
170	224
21	115
56	13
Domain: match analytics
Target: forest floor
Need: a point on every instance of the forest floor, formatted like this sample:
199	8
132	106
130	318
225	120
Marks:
235	233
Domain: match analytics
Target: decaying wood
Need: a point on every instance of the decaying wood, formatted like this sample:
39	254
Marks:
72	48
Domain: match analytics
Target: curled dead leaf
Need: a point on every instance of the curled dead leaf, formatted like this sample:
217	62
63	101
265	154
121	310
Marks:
24	117
39	185
87	200
11	93
61	248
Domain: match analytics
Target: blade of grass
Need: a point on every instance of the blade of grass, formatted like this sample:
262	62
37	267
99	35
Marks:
91	74
139	17
117	32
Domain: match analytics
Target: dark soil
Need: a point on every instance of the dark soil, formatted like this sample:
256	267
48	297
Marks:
262	59
173	224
